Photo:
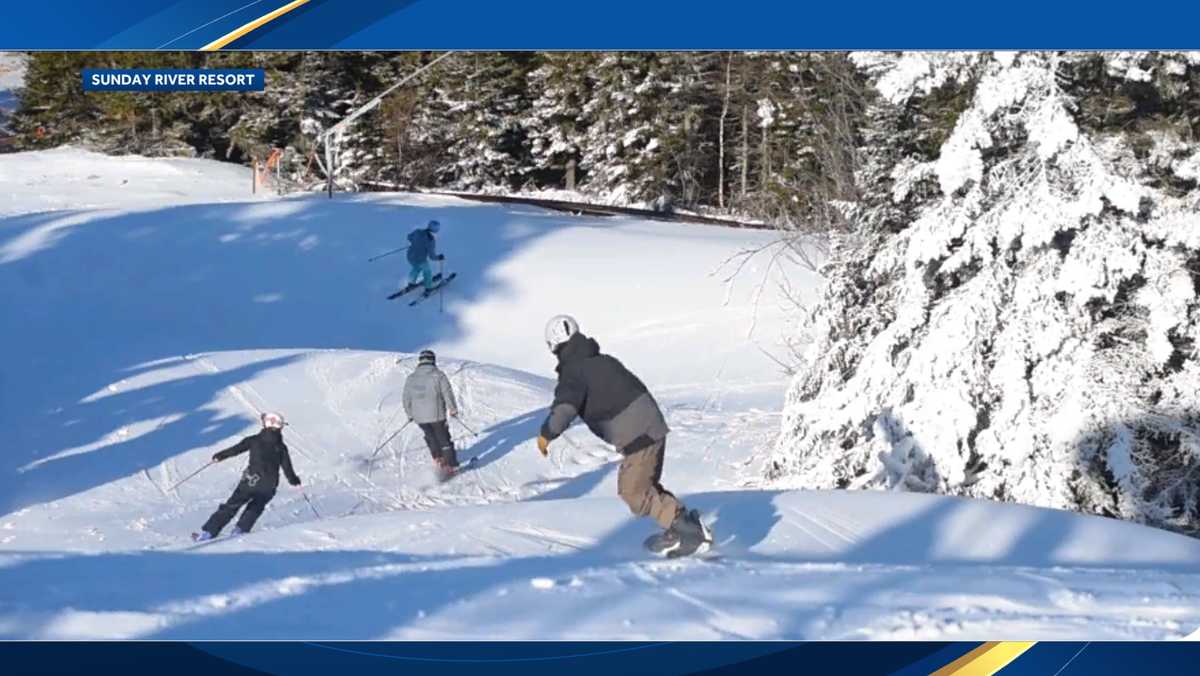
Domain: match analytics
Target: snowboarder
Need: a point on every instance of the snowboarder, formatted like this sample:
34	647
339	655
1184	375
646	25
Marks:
422	248
268	454
428	398
618	408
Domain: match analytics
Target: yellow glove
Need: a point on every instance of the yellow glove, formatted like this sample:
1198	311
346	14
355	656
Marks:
543	446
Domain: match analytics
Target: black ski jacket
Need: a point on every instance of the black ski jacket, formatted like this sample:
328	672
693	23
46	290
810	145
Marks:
268	454
613	402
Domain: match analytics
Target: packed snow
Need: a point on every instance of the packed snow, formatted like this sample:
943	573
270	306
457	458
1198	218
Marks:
71	179
148	322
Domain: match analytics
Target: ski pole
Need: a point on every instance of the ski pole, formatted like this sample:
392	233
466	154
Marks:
371	461
310	504
464	426
441	294
389	253
385	441
210	463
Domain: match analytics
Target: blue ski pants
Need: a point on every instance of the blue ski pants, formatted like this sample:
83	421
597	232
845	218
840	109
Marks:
423	271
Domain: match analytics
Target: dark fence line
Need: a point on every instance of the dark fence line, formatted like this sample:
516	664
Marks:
587	209
581	208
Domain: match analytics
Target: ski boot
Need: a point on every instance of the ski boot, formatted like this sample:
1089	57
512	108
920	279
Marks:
237	530
202	536
445	471
411	286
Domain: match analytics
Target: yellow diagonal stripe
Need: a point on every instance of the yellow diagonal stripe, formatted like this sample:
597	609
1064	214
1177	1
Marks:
986	660
260	21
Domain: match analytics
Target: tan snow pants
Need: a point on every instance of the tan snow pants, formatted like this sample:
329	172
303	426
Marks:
638	486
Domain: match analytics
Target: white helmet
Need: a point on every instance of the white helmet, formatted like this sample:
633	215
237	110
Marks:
273	420
559	330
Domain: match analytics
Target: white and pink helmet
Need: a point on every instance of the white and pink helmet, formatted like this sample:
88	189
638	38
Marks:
273	420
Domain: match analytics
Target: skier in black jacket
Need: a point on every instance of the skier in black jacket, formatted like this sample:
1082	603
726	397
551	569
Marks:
268	454
618	408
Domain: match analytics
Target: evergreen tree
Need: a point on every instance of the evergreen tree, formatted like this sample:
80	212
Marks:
623	149
557	131
482	99
1015	314
734	131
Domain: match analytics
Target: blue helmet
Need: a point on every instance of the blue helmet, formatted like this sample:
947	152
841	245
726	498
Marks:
433	226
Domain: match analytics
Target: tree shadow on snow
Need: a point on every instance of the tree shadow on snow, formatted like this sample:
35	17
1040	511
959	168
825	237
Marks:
360	598
375	607
187	586
184	402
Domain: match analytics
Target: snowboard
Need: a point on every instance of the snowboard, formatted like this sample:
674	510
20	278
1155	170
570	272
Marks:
436	287
436	278
658	544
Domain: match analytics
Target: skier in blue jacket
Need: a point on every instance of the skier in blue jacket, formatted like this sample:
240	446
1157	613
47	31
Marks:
422	248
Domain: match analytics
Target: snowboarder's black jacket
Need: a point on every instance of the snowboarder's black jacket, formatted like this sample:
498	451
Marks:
267	454
614	404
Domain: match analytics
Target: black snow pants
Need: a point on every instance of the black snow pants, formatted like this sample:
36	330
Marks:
255	498
441	447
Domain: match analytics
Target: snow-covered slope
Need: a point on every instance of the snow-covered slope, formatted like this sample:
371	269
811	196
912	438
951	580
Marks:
68	178
144	336
831	565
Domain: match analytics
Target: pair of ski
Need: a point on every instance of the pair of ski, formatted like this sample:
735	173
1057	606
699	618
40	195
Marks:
197	543
438	285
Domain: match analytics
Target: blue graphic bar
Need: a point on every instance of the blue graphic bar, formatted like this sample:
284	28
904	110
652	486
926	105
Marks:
173	79
882	658
615	24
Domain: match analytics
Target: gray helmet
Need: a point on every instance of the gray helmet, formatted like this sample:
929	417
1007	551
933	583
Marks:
427	357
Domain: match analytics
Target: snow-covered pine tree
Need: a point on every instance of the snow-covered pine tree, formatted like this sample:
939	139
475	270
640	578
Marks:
559	89
790	125
1015	314
484	97
248	126
623	149
55	110
687	128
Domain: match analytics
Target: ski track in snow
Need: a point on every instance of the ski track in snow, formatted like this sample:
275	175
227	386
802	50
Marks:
273	308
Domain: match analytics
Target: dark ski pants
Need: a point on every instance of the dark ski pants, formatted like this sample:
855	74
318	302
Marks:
638	486
441	447
255	498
